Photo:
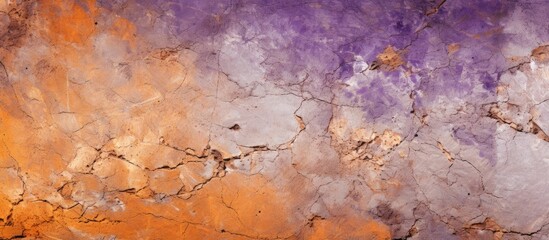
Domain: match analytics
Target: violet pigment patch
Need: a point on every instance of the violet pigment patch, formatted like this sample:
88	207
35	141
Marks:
268	119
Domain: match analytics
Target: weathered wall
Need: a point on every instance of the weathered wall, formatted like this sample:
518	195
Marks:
136	119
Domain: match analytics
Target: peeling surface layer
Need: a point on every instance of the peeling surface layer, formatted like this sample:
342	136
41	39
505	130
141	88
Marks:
263	119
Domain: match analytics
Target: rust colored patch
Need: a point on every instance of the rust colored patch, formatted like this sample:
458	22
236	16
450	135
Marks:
389	60
488	33
489	226
69	21
453	48
14	22
541	53
446	153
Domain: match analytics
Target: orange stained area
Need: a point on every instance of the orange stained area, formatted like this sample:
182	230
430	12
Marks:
390	59
44	120
347	228
124	30
453	48
541	53
69	21
247	206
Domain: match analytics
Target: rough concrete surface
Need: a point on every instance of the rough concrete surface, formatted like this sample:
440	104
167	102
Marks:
274	119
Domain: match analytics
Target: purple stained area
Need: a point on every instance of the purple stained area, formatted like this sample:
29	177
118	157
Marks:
325	39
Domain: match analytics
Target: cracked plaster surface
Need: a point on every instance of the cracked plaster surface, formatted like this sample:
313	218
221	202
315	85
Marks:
251	119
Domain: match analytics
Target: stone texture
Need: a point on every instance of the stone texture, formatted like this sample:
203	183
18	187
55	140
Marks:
359	119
